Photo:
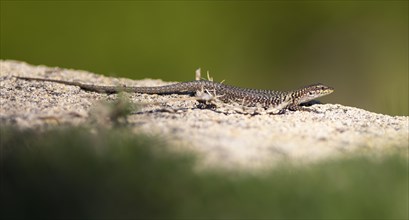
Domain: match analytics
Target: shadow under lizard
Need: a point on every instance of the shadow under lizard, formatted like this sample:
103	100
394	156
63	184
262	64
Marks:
206	91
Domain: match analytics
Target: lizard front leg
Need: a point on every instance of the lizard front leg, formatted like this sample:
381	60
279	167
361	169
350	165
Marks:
294	107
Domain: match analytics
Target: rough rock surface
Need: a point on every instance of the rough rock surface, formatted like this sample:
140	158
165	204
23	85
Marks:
220	139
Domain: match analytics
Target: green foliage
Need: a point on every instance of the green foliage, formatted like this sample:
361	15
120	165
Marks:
71	174
114	174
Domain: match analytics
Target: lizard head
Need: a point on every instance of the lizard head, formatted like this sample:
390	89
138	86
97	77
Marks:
314	91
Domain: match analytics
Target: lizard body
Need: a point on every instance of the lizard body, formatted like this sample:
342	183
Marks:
272	101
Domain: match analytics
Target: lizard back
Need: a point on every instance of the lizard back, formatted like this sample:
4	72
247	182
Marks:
226	93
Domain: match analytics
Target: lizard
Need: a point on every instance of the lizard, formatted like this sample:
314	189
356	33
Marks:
242	100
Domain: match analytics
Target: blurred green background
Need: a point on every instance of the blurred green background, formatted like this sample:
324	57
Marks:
76	173
358	47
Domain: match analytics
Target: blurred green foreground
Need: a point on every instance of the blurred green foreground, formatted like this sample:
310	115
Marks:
113	174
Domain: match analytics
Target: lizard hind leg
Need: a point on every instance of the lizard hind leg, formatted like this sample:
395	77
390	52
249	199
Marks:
205	99
207	96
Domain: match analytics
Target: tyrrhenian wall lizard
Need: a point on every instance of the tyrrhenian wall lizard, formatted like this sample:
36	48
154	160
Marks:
247	100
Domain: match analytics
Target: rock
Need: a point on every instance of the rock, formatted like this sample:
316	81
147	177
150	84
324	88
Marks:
220	139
